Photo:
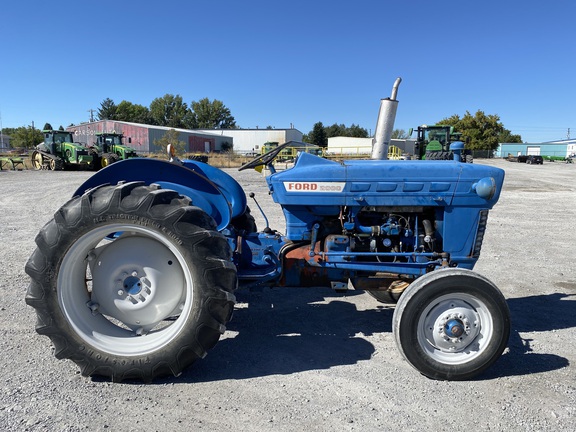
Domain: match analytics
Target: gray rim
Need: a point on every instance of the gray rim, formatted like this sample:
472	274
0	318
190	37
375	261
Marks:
130	295
475	318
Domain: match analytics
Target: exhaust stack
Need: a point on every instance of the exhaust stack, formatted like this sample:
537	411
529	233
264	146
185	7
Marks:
385	123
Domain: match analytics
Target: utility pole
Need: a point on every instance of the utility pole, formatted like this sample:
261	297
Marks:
568	134
1	133
91	111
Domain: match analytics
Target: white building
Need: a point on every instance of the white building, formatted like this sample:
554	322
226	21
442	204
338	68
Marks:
251	140
363	146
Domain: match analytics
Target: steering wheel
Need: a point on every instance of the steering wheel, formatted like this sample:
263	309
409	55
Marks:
264	159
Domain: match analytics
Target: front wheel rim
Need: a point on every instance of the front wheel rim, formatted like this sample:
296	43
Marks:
129	294
37	161
455	328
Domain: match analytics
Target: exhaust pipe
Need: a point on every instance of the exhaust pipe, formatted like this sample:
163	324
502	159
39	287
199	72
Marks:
385	123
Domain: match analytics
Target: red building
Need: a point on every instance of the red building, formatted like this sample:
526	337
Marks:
142	137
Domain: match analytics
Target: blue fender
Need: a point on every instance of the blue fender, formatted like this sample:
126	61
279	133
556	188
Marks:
195	181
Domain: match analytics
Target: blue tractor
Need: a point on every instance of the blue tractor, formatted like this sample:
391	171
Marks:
134	278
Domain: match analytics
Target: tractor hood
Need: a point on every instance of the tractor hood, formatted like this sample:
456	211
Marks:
314	181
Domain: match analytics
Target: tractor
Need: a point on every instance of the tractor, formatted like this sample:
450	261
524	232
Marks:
110	148
59	151
433	143
134	277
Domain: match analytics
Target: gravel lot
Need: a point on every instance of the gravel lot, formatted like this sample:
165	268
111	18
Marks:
311	359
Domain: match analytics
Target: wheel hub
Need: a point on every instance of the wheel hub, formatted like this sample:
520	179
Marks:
133	285
136	281
452	326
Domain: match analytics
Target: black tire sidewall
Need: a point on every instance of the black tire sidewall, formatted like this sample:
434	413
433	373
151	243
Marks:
411	306
202	249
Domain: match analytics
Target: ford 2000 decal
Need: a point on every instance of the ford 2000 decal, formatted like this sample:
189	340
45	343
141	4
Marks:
334	187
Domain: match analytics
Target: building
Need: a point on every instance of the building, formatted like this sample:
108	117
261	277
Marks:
4	142
562	148
142	137
252	140
351	146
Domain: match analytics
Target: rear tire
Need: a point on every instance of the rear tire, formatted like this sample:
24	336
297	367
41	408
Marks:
56	164
451	324
245	222
131	282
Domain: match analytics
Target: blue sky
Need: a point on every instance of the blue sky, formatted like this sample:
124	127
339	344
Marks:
274	63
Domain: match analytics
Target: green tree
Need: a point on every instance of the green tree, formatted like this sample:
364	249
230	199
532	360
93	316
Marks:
356	131
337	130
107	110
169	110
61	128
27	137
47	126
226	147
400	134
208	114
318	135
483	132
135	113
171	137
507	136
342	130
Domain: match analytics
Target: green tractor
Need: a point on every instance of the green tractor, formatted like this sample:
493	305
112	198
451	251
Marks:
59	151
433	143
109	148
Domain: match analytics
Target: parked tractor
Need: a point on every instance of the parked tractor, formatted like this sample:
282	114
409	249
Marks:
134	278
59	151
433	143
110	148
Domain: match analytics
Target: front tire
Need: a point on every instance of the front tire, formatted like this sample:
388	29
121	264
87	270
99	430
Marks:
451	324
108	159
131	282
37	160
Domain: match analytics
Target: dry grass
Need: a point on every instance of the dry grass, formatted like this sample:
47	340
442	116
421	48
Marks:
219	160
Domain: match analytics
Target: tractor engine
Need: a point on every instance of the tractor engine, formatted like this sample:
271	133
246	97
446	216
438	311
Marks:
392	231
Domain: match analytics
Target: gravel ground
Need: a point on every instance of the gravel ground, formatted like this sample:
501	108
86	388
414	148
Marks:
312	359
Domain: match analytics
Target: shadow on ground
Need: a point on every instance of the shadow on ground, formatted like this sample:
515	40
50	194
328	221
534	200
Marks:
540	313
286	331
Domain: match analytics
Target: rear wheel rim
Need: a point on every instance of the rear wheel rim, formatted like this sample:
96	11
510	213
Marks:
99	295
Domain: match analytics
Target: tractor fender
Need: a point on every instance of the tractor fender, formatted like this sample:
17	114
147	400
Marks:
204	193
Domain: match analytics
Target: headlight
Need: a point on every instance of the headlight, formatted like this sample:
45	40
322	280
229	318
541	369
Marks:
485	188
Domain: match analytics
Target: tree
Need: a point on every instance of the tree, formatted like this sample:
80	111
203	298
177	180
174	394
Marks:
27	137
399	134
208	114
342	130
356	131
61	128
47	126
171	137
226	147
169	110
507	136
129	112
318	135
483	131
107	110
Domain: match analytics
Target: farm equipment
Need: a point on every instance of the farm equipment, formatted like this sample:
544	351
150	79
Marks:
59	151
110	148
134	278
11	163
290	151
434	142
